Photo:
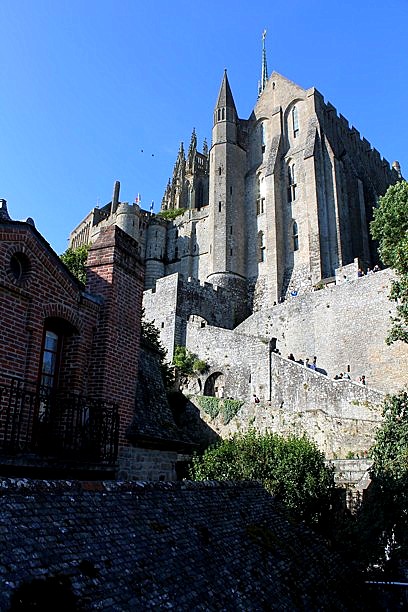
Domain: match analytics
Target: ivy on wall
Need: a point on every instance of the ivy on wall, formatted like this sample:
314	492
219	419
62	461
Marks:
214	406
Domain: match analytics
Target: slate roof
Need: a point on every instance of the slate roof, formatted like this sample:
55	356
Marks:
153	422
160	546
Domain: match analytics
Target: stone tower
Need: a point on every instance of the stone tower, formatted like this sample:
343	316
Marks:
227	257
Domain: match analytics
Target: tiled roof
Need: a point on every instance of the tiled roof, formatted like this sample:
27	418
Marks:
159	546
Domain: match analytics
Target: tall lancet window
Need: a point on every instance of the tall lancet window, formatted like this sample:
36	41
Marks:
262	130
291	183
295	122
295	236
261	247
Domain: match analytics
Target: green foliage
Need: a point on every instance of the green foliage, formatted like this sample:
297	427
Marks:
229	409
186	362
377	535
214	406
171	214
151	334
390	228
292	469
210	405
388	516
75	260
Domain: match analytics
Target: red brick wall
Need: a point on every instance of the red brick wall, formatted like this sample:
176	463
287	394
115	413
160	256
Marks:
46	290
115	273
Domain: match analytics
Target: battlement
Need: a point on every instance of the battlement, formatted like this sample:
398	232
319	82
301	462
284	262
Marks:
177	279
360	144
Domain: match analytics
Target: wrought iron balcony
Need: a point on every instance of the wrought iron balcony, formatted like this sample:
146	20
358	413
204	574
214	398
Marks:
61	425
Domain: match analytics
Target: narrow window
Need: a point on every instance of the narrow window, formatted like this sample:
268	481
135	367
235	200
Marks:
259	203
295	236
219	114
231	230
231	190
262	138
291	183
219	170
230	251
261	246
223	113
219	206
50	359
295	122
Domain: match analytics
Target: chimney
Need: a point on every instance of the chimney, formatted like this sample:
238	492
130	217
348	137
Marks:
4	216
115	196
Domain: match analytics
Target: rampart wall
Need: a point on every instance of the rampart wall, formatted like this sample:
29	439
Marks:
173	299
340	416
344	326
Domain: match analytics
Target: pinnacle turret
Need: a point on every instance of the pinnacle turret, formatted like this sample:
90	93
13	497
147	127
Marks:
225	97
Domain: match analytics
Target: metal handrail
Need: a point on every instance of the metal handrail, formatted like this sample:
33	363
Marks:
61	424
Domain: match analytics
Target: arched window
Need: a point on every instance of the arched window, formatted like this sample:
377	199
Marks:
58	337
295	236
260	201
295	122
262	130
51	352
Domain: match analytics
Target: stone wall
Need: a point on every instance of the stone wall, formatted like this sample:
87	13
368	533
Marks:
147	464
242	360
340	416
174	299
343	326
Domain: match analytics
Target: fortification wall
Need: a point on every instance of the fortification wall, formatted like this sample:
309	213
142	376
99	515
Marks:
242	360
341	417
174	299
344	326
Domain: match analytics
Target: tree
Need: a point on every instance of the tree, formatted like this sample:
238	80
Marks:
75	260
188	363
390	228
292	469
383	520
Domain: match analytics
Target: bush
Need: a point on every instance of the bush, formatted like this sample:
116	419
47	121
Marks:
186	362
292	469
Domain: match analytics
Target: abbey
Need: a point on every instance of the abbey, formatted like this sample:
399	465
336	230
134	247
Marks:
278	203
250	228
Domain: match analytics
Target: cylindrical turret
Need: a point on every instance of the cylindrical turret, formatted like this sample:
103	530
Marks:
155	250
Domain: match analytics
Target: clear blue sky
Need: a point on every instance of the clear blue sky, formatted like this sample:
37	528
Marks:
86	85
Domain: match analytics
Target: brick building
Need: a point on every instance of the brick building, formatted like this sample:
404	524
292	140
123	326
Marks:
70	354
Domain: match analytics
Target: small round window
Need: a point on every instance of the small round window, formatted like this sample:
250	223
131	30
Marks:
19	266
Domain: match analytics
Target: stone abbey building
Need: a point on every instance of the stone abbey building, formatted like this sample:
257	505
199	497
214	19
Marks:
278	202
250	230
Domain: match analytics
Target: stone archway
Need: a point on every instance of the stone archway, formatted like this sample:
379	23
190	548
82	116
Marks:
214	385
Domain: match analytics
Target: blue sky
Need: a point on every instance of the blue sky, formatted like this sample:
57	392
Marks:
86	85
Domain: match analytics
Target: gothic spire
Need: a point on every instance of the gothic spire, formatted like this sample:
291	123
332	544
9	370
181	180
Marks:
264	73
225	98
